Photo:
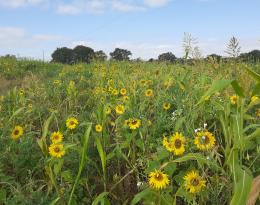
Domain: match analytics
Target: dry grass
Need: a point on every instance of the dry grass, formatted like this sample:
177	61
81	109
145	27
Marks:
254	191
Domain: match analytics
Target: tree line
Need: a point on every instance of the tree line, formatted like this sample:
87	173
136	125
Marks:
83	54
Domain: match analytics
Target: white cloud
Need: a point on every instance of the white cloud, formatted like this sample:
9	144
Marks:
47	37
156	3
15	40
81	6
75	7
126	7
19	3
68	9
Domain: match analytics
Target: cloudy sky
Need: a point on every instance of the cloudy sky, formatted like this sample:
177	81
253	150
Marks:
146	27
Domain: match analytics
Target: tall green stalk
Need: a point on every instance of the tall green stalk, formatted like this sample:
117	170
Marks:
82	160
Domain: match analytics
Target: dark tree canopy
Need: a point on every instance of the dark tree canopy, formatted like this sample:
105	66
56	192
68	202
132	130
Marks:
214	56
169	56
83	54
100	56
62	55
120	54
253	55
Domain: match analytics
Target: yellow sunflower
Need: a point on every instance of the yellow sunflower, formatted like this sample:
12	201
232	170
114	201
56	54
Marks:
149	123
98	128
120	109
125	98
72	123
2	98
56	82
17	132
143	82
110	82
30	106
234	99
57	150
158	180
21	92
110	89
108	110
133	123
114	92
166	106
254	99
175	144
193	182
149	93
123	91
167	84
204	140
56	137
258	112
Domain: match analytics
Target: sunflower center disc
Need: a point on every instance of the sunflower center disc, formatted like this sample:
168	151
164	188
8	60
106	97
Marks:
56	149
195	182
177	143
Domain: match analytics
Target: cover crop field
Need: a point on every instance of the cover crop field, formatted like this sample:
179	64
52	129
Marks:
129	132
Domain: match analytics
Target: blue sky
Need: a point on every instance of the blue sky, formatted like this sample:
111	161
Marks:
146	27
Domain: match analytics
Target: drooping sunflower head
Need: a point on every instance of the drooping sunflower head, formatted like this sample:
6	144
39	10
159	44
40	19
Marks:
123	91
234	99
120	109
149	93
166	106
17	132
134	123
57	150
158	180
193	182
204	140
98	128
72	123
175	144
56	137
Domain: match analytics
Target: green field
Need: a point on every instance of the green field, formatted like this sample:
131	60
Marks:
124	133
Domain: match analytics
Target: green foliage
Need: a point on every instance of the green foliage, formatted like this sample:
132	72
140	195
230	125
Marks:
120	54
112	166
83	54
62	55
169	56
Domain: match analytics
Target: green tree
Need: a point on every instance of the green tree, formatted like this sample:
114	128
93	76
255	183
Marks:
100	56
120	54
253	55
83	54
62	55
214	57
169	56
